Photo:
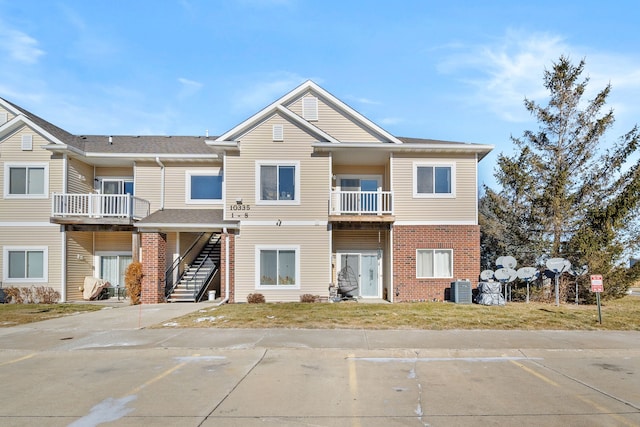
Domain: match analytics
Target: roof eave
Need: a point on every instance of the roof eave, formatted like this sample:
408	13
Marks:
481	149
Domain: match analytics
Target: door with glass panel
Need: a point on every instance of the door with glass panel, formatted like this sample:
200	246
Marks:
116	206
359	194
113	268
359	274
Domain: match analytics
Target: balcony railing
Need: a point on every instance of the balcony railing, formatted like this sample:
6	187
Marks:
361	203
99	206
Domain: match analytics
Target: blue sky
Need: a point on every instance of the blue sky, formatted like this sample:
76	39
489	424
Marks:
454	70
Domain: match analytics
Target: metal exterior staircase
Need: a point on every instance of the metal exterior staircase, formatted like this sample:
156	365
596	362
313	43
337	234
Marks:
193	282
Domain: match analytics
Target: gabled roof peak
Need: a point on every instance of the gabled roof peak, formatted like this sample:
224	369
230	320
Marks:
308	85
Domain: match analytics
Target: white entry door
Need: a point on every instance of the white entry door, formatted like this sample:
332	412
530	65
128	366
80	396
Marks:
359	272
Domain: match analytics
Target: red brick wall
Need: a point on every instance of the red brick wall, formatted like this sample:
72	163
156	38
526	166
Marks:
463	239
223	278
154	253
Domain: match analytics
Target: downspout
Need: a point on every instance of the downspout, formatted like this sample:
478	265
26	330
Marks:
226	267
391	242
63	251
161	183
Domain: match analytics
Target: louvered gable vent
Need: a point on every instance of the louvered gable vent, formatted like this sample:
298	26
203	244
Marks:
278	133
27	142
310	108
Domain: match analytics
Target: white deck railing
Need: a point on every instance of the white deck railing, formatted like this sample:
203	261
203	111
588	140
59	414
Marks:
361	203
99	206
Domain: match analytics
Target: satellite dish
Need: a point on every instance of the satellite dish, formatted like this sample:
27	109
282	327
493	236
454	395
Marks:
542	260
486	275
506	262
505	274
527	273
582	270
558	265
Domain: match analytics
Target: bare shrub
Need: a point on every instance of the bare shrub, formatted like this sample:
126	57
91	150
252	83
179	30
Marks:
46	295
133	282
31	295
255	299
309	298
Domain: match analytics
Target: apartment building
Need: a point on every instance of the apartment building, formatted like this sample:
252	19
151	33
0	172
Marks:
307	196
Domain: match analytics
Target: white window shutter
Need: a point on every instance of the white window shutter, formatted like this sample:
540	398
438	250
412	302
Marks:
3	117
310	108
278	133
27	142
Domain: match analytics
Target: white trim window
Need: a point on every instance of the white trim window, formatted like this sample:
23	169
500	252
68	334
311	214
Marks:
25	264
277	267
277	183
434	263
203	187
26	180
434	179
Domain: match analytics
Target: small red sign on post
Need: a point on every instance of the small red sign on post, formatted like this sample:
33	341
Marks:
596	283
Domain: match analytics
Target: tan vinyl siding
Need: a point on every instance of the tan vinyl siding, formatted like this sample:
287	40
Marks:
358	170
18	209
346	240
79	262
115	172
462	208
47	236
314	260
79	177
257	145
10	115
113	241
335	123
176	181
147	185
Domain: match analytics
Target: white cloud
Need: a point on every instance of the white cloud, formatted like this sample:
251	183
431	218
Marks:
388	121
18	45
189	87
365	101
507	71
262	94
512	68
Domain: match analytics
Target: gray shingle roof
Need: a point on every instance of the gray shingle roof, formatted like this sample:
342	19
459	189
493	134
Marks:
146	144
184	218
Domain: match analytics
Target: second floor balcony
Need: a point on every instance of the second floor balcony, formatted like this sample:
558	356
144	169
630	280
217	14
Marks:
97	208
361	206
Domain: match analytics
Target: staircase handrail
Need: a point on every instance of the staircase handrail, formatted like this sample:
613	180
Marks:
170	284
200	284
199	290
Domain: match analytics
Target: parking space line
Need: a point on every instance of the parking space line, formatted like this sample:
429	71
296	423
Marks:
353	388
20	359
603	410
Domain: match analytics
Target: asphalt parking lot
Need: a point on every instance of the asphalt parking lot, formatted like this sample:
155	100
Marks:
109	368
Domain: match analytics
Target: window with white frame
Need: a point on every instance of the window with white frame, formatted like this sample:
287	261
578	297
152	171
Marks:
277	182
25	264
433	180
434	263
22	180
277	267
203	187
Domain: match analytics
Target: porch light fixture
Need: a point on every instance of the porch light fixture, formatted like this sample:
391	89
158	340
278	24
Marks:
239	201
